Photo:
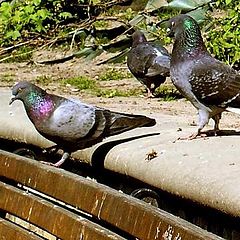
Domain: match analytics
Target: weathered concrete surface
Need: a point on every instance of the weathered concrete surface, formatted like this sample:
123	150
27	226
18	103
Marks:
204	170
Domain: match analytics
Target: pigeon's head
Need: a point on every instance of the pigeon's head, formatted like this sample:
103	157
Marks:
181	24
21	90
138	37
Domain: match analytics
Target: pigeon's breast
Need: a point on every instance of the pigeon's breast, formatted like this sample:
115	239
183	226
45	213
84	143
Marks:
180	74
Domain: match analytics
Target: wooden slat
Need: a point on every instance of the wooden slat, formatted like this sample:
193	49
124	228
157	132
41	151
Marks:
10	231
128	214
60	222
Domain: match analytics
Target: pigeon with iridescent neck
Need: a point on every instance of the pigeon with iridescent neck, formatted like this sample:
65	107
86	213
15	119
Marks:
210	85
149	62
71	124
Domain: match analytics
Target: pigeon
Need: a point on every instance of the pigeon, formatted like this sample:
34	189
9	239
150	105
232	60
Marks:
70	123
209	84
149	62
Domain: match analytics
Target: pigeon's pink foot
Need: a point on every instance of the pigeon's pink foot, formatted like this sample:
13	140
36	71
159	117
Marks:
59	163
194	136
149	94
50	164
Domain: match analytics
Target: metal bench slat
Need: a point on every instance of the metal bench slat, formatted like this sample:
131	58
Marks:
10	231
50	217
128	214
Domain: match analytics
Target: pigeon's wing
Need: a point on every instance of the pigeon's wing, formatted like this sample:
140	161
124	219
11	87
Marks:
117	123
160	48
157	61
158	65
214	82
71	120
136	60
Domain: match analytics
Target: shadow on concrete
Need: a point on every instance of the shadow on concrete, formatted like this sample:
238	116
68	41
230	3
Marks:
100	153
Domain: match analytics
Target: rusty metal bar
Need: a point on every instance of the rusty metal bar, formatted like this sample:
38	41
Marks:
128	214
50	217
10	231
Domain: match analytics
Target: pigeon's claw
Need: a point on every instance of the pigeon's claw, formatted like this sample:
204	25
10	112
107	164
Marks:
65	156
194	136
149	93
48	163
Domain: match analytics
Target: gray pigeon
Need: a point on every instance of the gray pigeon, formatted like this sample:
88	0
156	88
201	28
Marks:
71	124
210	85
148	62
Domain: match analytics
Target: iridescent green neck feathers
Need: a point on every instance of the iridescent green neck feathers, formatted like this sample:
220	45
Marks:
188	39
38	105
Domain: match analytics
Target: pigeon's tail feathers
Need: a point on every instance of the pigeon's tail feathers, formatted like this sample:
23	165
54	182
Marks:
121	122
233	110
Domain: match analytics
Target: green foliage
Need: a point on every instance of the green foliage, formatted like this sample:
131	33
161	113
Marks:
20	18
7	78
43	79
80	82
110	93
114	74
226	3
167	93
94	88
23	53
222	33
128	14
101	24
223	39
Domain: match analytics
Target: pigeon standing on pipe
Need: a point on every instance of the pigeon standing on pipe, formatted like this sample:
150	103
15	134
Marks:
210	85
148	62
71	124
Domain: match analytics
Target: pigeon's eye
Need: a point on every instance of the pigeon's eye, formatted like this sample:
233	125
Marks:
172	23
20	90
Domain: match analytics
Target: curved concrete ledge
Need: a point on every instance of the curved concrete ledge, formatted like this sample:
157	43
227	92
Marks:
205	171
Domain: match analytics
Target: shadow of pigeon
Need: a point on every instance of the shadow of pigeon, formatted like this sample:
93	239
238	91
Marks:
100	153
220	133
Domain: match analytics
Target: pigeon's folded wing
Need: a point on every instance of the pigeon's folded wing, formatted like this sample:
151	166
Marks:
215	83
72	120
159	66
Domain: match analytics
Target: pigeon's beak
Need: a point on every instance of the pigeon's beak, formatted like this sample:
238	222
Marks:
12	100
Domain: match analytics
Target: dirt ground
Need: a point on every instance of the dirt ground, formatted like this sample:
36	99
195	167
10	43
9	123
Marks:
182	109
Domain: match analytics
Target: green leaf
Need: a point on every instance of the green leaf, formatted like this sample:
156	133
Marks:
65	15
84	52
89	53
155	4
118	58
137	19
5	10
199	14
14	34
118	45
95	2
5	7
36	2
175	4
17	18
187	4
228	1
43	14
94	54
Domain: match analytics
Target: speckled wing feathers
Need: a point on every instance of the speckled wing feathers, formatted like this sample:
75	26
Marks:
214	82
